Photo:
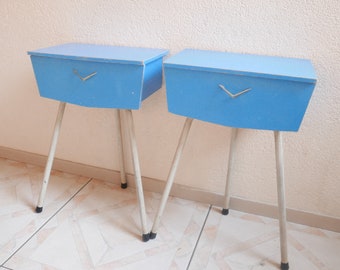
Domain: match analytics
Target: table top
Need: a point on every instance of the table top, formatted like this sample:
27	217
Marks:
101	53
245	64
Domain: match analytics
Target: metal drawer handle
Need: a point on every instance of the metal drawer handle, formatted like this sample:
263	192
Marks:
234	95
84	78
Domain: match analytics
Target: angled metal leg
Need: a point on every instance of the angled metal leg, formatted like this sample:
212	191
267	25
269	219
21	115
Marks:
171	176
225	210
119	134
281	199
138	177
50	158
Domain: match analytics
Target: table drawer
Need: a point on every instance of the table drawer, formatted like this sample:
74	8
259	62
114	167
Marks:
235	99
98	76
258	103
89	83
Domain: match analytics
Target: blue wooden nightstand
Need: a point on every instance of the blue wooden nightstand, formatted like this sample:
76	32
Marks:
238	91
102	77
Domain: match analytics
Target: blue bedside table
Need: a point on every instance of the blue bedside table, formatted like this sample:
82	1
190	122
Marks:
238	91
102	77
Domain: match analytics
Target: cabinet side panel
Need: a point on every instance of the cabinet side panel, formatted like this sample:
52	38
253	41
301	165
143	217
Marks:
152	77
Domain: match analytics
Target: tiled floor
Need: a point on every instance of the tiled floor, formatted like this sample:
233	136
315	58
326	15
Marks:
91	224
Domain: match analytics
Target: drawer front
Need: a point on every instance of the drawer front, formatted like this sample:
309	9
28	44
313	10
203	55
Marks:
252	102
87	83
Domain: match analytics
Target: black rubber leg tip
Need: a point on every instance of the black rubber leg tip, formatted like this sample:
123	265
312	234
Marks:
225	211
153	235
146	237
38	209
123	185
284	266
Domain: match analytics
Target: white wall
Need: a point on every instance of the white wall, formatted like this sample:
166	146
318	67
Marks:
306	29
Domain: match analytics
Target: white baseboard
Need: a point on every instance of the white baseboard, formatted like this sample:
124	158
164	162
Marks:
181	191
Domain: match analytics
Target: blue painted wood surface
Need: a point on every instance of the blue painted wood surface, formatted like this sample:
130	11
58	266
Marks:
280	89
115	77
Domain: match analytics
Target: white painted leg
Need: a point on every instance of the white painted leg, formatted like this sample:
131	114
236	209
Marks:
225	210
138	177
119	134
171	176
281	199
50	158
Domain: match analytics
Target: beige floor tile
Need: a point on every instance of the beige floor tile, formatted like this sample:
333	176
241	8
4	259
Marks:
239	241
19	189
100	229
